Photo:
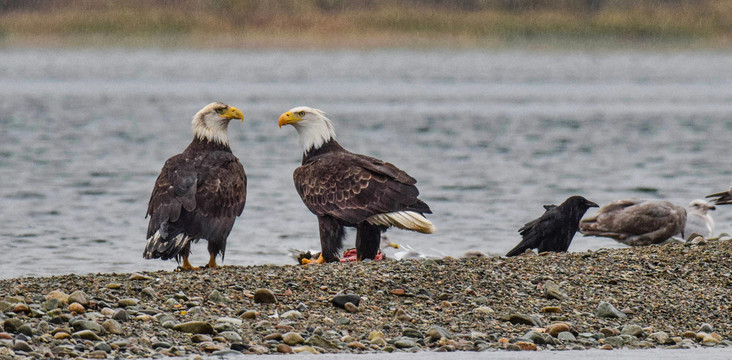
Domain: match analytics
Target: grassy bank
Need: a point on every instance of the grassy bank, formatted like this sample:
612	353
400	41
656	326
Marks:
374	23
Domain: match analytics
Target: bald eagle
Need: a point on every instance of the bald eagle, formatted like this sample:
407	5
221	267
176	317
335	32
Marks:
347	189
199	193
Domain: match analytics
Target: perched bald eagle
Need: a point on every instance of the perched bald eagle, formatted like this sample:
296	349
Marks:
347	189
199	193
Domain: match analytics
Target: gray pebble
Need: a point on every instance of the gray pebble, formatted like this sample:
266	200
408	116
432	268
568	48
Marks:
217	297
566	336
195	327
614	341
79	297
112	326
292	338
103	347
435	333
231	336
606	310
706	328
22	346
86	335
292	314
405	343
633	330
121	315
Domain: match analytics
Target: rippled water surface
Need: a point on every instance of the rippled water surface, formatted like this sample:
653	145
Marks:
490	136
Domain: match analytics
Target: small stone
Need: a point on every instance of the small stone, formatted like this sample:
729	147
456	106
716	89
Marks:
58	295
343	321
341	300
112	326
412	333
302	349
264	296
51	304
566	336
22	346
524	319
609	331
231	336
356	345
606	310
103	347
551	310
121	315
62	335
316	340
283	348
199	338
12	325
526	346
706	328
80	297
217	297
379	341
25	329
689	334
375	334
614	341
556	328
225	326
435	333
86	335
292	338
76	308
606	347
483	311
405	343
138	276
633	330
5	336
88	325
161	344
149	292
113	286
291	315
21	308
274	336
351	308
123	303
553	291
249	315
194	327
660	337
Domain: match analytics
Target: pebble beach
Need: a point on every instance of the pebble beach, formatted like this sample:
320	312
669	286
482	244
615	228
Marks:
669	296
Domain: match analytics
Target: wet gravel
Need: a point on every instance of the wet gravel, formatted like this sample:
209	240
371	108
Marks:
668	296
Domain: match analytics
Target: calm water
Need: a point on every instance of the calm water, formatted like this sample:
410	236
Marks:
490	135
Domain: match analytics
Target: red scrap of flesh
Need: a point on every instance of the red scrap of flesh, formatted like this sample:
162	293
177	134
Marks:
350	255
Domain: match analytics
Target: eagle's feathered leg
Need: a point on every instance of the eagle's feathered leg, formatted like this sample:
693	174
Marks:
368	240
331	238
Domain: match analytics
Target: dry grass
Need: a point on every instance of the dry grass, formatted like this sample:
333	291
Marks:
334	23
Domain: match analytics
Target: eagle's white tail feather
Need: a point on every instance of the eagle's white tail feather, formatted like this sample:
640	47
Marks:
409	220
156	247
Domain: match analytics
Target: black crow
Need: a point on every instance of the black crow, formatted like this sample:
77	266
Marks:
554	230
636	222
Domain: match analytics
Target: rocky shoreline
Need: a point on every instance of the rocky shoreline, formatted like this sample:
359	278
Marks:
669	296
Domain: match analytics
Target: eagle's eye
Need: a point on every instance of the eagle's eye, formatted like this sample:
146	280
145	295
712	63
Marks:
301	113
220	110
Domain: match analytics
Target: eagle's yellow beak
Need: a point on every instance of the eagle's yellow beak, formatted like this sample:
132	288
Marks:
288	118
233	113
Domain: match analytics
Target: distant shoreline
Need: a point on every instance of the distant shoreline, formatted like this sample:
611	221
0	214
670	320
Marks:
673	296
381	24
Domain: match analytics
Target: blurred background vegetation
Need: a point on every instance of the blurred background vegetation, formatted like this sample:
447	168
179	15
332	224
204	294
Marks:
362	23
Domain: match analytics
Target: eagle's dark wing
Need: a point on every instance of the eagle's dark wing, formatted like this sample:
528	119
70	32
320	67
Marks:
208	193
352	187
221	195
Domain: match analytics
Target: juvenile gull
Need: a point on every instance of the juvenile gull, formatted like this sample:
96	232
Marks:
554	230
698	220
636	222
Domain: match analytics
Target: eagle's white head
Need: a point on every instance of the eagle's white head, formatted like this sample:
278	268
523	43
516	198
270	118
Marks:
211	122
313	128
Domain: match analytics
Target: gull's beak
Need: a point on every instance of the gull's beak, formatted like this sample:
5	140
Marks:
233	113
288	118
392	244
